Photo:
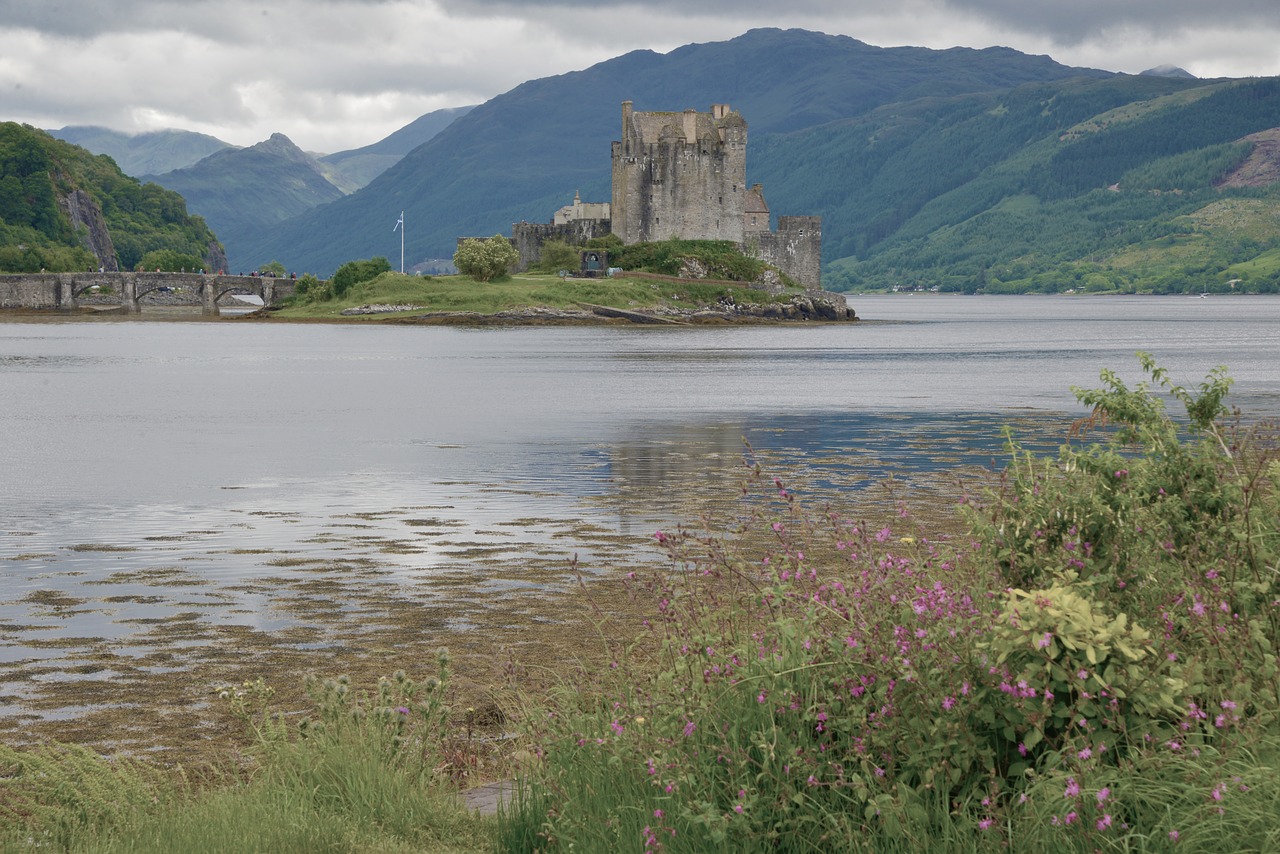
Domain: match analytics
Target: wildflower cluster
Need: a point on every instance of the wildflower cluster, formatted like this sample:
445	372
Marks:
825	684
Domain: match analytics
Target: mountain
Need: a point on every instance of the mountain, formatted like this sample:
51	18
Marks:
522	155
143	153
242	191
63	208
351	170
1130	184
1168	71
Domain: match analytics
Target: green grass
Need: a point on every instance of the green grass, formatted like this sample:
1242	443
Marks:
463	294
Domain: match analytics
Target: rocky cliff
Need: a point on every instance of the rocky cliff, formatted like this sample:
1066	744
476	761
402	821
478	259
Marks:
86	218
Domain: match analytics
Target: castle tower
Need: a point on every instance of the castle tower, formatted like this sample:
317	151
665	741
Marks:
680	175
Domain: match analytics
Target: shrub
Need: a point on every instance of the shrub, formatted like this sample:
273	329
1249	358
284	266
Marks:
605	241
558	255
309	289
722	258
813	683
485	260
353	273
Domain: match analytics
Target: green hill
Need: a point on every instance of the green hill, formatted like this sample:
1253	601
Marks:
1135	197
241	191
63	208
522	155
143	153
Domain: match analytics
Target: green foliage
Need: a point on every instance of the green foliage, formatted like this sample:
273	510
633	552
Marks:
275	267
365	772
169	261
353	273
722	258
557	255
36	170
814	684
605	241
308	289
1200	167
485	260
58	795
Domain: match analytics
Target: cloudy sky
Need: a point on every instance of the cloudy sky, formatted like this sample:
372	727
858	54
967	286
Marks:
338	74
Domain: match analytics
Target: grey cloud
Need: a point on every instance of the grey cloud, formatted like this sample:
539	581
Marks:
1064	21
1073	21
216	19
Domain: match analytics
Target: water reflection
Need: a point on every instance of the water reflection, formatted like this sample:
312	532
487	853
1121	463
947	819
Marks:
185	503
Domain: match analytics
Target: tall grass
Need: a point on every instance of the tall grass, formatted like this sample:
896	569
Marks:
1091	667
365	772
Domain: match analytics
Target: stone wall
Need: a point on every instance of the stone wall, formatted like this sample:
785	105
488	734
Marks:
795	248
529	237
679	175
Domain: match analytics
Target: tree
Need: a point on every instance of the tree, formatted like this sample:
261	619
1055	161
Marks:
169	261
558	255
353	273
273	267
485	260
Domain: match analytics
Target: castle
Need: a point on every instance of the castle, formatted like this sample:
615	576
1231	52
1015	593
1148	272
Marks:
683	175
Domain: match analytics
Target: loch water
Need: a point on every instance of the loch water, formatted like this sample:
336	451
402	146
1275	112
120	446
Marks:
163	469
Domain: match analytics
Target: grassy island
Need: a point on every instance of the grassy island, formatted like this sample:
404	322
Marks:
667	282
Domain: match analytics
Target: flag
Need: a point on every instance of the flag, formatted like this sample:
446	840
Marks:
399	222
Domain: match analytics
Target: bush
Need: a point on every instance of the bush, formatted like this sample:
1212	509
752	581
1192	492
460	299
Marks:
310	289
556	256
353	273
813	683
486	260
722	258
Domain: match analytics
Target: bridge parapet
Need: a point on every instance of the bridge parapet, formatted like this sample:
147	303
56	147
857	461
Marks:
63	290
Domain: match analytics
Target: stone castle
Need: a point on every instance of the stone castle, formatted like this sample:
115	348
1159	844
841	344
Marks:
683	175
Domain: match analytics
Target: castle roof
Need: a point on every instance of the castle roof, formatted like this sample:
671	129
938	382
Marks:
753	201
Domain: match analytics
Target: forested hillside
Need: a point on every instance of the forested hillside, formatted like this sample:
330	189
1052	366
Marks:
1091	185
63	209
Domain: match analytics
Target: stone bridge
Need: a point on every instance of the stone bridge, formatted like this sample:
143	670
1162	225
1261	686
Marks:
64	290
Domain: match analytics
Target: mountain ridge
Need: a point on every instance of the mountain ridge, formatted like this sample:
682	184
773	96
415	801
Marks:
522	154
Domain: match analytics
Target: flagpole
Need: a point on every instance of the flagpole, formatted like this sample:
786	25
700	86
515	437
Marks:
400	225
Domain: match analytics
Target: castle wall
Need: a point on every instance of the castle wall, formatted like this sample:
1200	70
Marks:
795	248
679	175
529	237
